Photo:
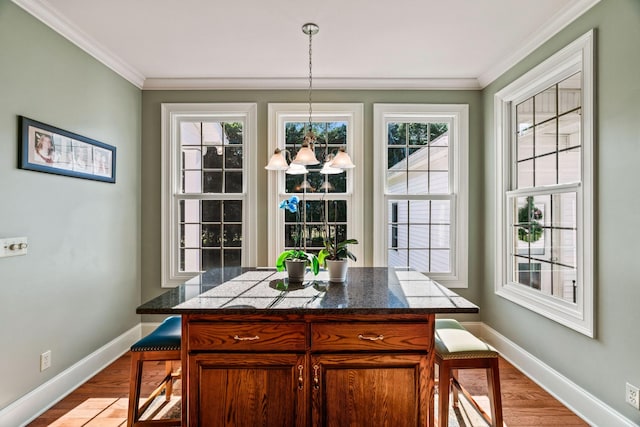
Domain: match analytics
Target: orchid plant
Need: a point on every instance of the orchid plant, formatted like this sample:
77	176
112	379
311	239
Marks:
333	249
297	253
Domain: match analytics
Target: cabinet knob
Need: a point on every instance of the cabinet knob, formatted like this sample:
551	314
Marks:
300	377
316	378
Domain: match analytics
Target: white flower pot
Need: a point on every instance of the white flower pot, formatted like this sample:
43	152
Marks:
337	270
296	268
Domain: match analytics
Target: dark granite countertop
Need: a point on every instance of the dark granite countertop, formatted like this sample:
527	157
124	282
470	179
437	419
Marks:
368	290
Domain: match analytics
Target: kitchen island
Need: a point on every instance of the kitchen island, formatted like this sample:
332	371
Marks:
258	350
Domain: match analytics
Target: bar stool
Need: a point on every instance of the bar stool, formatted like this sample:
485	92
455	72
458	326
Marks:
163	344
456	348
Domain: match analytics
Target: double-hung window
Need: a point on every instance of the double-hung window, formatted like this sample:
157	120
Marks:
420	189
544	130
208	188
334	200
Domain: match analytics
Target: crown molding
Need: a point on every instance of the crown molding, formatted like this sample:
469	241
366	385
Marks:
563	18
41	10
318	83
57	22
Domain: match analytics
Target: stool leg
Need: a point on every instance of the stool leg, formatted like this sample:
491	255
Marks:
495	396
134	388
168	368
454	390
444	384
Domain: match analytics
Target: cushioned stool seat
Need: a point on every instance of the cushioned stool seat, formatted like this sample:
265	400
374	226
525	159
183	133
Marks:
456	348
163	344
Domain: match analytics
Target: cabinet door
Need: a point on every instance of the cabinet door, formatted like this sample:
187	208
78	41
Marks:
369	390
248	389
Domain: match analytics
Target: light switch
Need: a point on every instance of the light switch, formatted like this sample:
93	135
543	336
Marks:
13	246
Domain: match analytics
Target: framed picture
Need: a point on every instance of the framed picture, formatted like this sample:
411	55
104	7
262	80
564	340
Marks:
45	148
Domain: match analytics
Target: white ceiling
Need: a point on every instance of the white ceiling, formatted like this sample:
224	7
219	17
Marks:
259	43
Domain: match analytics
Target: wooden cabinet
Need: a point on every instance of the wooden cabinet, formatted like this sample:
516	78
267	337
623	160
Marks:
247	389
308	370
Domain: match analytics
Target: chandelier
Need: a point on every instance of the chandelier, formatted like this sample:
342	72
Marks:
333	163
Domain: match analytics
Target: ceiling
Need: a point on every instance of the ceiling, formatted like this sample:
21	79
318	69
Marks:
453	44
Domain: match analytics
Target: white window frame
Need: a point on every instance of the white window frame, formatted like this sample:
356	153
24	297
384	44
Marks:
279	114
458	114
577	56
172	115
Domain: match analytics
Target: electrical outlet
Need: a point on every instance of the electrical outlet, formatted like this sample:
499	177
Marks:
45	361
633	396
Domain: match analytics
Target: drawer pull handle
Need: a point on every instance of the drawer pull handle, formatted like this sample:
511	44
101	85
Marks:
300	377
316	378
366	338
253	338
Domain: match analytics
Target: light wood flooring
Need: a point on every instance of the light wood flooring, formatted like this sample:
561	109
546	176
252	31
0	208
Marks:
102	401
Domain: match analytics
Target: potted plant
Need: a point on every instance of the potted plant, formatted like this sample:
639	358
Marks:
335	253
296	260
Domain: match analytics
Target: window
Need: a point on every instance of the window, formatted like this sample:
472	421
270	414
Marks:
420	189
544	130
208	188
334	197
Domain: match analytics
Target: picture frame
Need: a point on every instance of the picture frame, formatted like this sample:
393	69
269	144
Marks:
46	148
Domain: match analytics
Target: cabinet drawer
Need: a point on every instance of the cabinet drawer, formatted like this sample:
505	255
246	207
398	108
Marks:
370	336
222	336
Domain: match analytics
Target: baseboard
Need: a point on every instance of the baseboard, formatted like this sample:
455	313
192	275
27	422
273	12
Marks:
37	401
594	411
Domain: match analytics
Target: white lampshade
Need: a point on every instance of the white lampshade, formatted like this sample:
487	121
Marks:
342	160
296	169
327	169
305	156
277	162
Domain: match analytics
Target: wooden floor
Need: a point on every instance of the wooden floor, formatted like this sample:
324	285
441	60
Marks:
102	401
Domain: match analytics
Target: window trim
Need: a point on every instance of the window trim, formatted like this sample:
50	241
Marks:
459	161
353	113
577	56
171	115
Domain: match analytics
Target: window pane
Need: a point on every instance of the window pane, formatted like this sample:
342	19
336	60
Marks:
440	261
233	132
190	235
569	166
192	182
419	260
440	236
439	158
418	182
545	173
190	133
396	182
212	158
418	133
569	130
419	211
398	258
418	236
438	134
440	211
212	182
525	174
190	259
211	258
232	258
418	159
189	211
438	182
211	235
525	145
232	235
546	137
566	206
395	158
191	158
545	105
233	157
397	133
211	210
212	133
233	210
570	93
233	182
524	115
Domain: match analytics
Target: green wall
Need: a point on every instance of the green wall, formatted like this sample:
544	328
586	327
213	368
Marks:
79	284
601	365
151	170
